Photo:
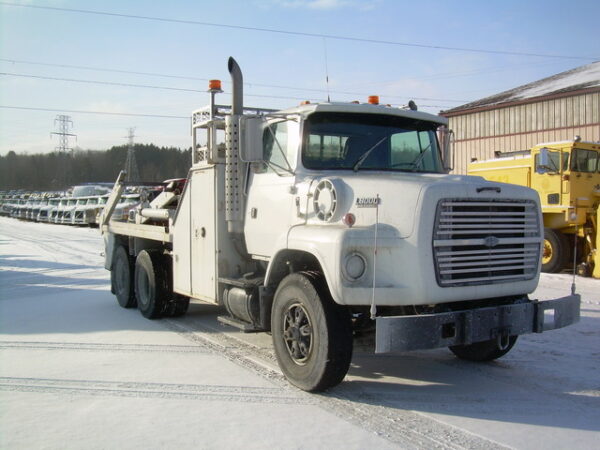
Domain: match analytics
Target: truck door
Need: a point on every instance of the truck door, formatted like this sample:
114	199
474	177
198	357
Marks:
203	234
549	184
271	201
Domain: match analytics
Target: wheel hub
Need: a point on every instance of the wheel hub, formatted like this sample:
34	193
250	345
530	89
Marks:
547	252
297	333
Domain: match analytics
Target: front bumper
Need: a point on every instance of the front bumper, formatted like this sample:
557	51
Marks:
427	331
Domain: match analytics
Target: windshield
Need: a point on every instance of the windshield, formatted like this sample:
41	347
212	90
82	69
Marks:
584	160
370	142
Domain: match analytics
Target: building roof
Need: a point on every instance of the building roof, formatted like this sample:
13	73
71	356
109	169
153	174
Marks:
584	77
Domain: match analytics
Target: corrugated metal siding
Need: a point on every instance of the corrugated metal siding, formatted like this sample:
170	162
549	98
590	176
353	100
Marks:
479	135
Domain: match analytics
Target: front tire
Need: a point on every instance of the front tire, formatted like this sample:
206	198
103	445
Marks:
151	283
121	278
556	251
312	335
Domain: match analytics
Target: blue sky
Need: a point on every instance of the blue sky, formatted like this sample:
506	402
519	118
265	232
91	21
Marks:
294	66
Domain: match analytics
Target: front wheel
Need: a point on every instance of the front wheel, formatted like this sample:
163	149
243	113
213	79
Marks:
312	335
556	251
484	351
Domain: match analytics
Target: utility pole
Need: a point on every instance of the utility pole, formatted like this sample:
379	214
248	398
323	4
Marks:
63	123
131	169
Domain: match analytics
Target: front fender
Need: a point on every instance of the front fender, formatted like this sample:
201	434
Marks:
322	242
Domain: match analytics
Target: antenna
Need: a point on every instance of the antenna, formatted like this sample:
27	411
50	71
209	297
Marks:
326	69
131	169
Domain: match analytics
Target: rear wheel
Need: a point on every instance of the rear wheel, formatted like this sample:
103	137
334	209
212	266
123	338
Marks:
485	351
312	335
556	251
121	278
151	283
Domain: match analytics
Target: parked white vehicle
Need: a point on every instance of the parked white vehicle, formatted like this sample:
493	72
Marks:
57	213
87	210
67	211
45	211
324	222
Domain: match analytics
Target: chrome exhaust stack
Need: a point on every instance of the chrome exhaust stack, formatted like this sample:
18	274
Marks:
234	201
237	94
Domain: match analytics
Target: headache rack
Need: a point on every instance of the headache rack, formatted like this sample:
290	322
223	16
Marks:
486	241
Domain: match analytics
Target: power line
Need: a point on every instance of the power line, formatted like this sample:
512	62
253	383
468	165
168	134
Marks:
102	69
295	33
170	88
251	84
107	113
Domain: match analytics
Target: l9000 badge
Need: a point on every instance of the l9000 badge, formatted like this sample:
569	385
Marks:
367	202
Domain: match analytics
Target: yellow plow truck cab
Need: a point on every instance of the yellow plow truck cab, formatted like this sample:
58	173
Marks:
566	176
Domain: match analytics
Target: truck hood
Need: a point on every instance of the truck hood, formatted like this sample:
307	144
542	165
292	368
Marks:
399	197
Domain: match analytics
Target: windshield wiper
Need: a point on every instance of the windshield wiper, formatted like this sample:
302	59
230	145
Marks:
418	159
366	154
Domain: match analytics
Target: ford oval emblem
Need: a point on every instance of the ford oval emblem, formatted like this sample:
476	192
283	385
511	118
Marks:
491	241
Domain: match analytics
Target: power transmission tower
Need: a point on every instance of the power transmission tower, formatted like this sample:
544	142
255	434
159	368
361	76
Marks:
131	168
64	123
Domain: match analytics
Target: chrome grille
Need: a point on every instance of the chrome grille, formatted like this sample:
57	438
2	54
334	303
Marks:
486	241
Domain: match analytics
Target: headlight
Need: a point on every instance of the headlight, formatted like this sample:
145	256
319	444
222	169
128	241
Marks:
355	266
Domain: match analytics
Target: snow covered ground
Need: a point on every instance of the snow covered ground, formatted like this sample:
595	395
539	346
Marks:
78	371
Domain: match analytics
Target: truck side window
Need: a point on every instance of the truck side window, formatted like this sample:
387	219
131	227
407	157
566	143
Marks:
584	160
277	154
555	158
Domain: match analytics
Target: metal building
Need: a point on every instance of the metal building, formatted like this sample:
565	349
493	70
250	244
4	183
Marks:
553	109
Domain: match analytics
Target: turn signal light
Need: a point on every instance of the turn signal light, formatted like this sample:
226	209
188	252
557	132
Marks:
214	85
374	99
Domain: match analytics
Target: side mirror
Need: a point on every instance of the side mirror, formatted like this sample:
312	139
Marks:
543	164
251	139
447	141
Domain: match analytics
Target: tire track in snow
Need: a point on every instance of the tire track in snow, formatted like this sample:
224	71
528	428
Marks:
408	429
92	347
239	394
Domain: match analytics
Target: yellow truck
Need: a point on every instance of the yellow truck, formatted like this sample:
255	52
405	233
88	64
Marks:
567	177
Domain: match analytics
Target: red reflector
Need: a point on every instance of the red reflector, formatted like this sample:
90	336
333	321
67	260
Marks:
349	220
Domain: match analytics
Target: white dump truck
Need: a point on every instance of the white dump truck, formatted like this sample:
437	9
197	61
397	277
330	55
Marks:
328	222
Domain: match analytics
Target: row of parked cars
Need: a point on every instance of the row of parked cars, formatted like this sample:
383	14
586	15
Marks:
81	205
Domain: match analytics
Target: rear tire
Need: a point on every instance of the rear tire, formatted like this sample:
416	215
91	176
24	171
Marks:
121	278
151	283
483	351
556	252
312	335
